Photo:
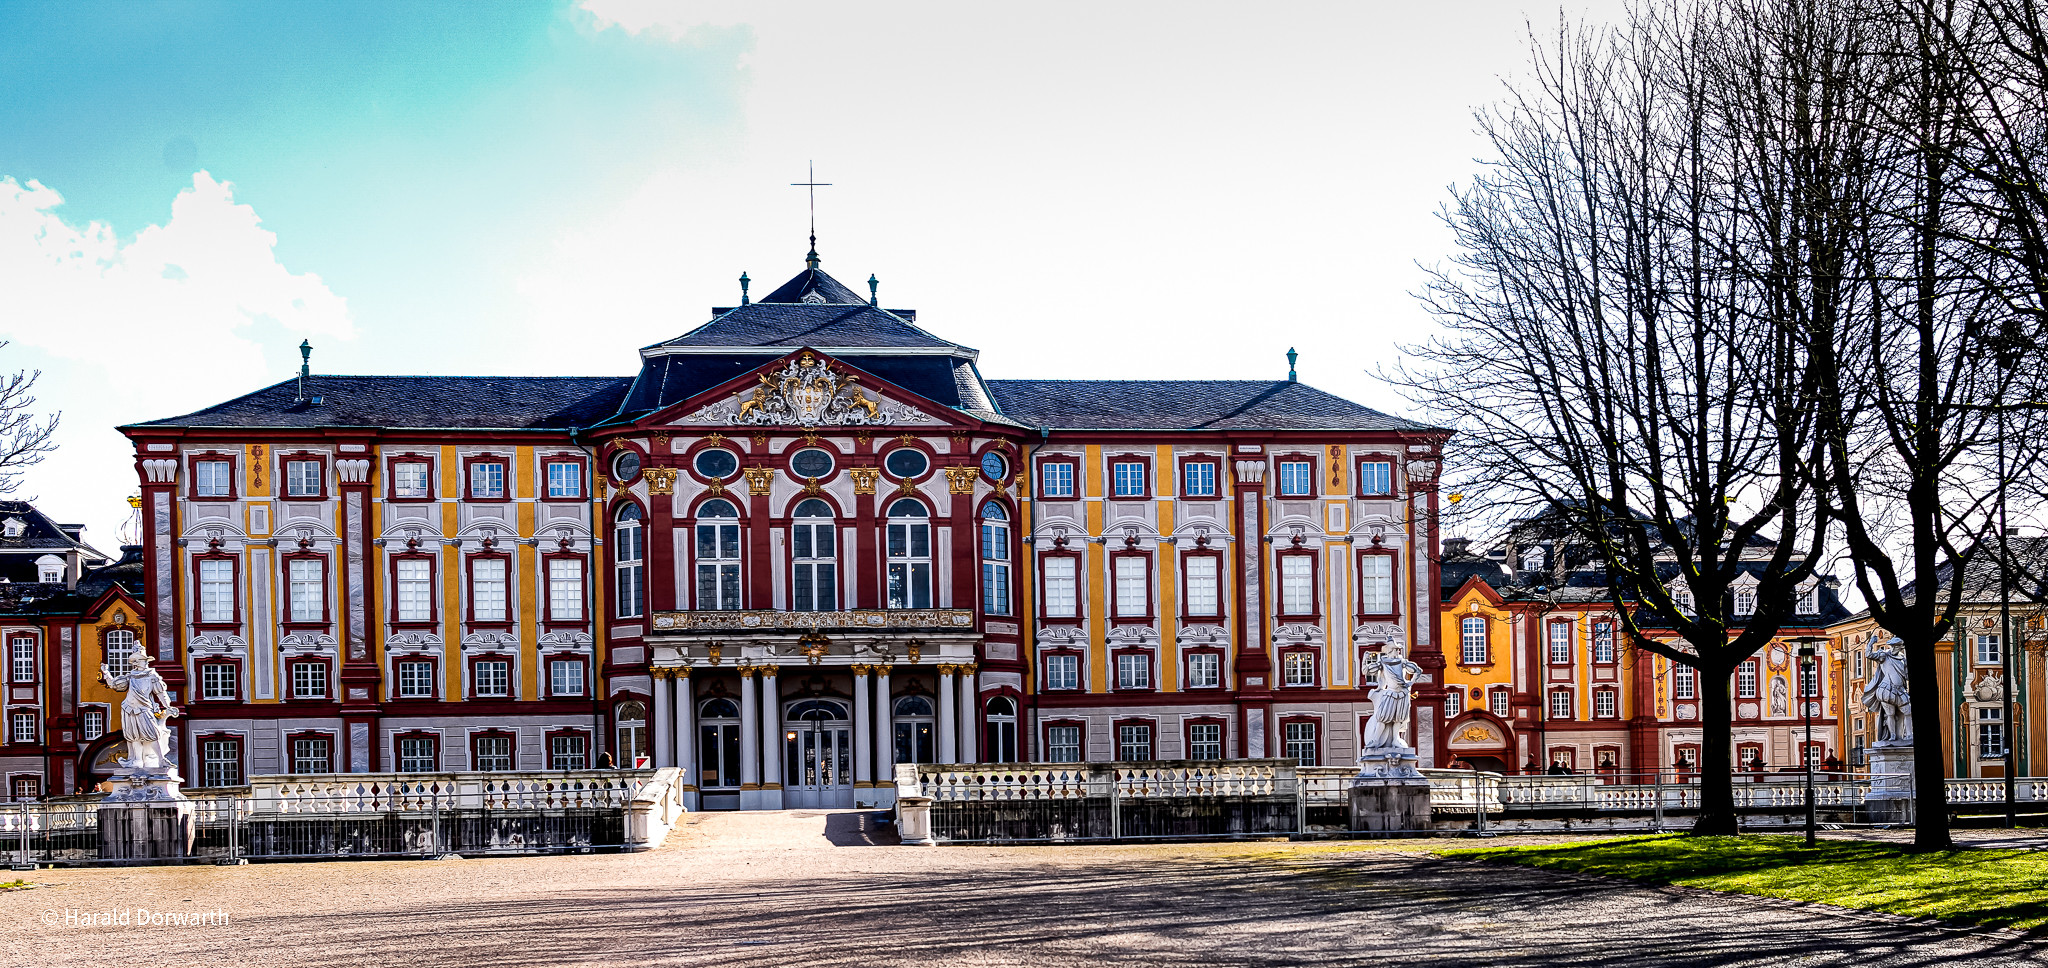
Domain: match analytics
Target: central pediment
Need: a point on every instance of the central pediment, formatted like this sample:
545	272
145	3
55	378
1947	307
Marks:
806	389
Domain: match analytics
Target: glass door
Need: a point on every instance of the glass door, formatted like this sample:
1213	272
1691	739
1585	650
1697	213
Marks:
818	755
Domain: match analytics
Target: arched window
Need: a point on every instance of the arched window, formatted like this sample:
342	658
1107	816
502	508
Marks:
629	558
718	556
816	710
814	576
910	557
995	560
630	721
914	730
718	744
1000	733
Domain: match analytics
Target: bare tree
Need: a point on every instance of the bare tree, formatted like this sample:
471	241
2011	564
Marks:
25	437
1618	352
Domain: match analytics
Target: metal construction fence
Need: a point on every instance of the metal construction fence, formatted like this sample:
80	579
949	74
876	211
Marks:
1192	800
364	816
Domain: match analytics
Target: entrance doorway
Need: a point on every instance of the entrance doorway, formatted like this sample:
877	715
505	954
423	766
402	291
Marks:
818	753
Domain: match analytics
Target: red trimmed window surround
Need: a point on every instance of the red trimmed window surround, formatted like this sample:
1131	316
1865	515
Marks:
1301	738
1131	588
1565	756
493	751
1376	475
222	759
306	580
1379	584
217	590
567	577
1296	570
309	680
568	749
568	677
415	678
498	681
1299	668
1063	670
212	477
489	603
1059	586
1131	671
1130	477
1607	761
1066	740
1295	475
409	477
303	475
220	680
1205	738
417	751
1137	740
315	756
564	477
487	478
1201	584
1204	667
1685	758
415	602
1059	479
1202	477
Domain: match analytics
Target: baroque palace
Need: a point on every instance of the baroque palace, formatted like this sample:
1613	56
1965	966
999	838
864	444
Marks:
806	542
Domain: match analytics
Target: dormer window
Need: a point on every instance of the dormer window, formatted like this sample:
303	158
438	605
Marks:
1809	600
814	298
1532	559
1745	602
49	569
14	527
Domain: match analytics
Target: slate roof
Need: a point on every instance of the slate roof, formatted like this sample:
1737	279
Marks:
30	599
451	402
1185	405
785	320
39	533
2029	577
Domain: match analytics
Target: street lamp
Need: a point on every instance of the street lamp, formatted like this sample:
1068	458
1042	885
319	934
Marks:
1807	675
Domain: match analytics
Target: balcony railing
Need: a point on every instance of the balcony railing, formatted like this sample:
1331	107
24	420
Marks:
849	620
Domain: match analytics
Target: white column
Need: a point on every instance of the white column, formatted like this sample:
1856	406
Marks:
863	728
683	723
970	716
660	729
750	733
948	719
885	733
771	735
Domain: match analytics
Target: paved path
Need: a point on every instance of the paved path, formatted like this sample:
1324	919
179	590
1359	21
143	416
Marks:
816	888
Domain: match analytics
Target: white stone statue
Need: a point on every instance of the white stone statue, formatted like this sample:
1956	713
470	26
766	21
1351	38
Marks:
1886	697
143	716
1383	751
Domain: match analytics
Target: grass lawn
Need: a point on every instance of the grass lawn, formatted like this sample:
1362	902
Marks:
1999	888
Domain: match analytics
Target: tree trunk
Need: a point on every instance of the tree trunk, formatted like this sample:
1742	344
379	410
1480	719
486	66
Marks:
1717	759
1930	752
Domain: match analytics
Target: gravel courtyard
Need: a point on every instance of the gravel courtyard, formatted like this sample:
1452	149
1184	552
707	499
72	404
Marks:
809	888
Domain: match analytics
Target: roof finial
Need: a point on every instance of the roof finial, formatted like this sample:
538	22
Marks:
1291	354
743	287
305	367
812	184
874	285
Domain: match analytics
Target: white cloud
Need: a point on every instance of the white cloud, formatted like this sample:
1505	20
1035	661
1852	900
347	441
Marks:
154	326
668	18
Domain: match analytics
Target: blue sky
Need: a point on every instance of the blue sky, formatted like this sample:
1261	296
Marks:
187	190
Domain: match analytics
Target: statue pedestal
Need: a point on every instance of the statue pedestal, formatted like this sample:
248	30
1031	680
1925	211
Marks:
1390	795
146	818
1890	799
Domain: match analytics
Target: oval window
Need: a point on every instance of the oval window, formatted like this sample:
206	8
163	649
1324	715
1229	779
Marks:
626	466
716	464
906	462
995	466
811	462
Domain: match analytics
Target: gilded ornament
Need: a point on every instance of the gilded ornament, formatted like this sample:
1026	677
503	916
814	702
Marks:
758	479
760	441
811	486
960	480
660	480
915	649
601	488
715	652
906	439
715	488
746	671
715	439
907	488
863	479
661	438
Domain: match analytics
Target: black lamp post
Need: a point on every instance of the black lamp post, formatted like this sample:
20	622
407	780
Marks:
1807	674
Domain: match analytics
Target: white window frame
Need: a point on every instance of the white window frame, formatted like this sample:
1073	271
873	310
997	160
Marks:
1056	478
414	597
487	480
629	562
1298	668
1473	644
1062	586
1133	670
1297	478
1205	670
308	578
1376	584
1558	643
1063	671
415	678
1204	585
499	675
1133	583
302	478
217	591
490	590
565	590
1063	744
309	680
1563	705
1198	483
411	478
1297	584
565	679
565	479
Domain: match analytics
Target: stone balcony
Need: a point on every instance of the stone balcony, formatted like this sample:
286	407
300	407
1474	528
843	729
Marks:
850	621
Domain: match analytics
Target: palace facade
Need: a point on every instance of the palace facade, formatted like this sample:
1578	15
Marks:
806	542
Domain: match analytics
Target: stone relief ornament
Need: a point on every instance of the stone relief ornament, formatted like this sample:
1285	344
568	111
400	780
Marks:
564	640
213	642
143	716
808	392
307	642
412	641
1886	696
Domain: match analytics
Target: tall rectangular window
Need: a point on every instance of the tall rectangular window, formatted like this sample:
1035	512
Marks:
1205	670
1133	587
1603	642
309	590
1134	742
1134	671
415	590
1203	593
1297	478
302	478
1561	704
1454	704
910	558
216	590
1297	585
22	659
409	479
1063	744
1376	584
1472	640
415	679
1745	680
418	754
94	723
565	590
1205	741
718	559
487	480
487	591
214	478
1685	682
1056	479
1988	652
1745	601
1560	643
629	557
493	678
814	567
21	726
1061	597
1198	478
119	645
1990	732
1127	479
1301	742
1604	703
1499	702
311	754
995	561
1809	600
493	754
565	479
1375	477
1809	680
221	761
1063	672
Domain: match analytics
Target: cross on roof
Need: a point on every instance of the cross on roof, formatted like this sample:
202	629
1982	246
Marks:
811	185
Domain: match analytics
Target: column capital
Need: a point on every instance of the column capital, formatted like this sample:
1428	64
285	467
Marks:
745	671
768	671
882	668
862	669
